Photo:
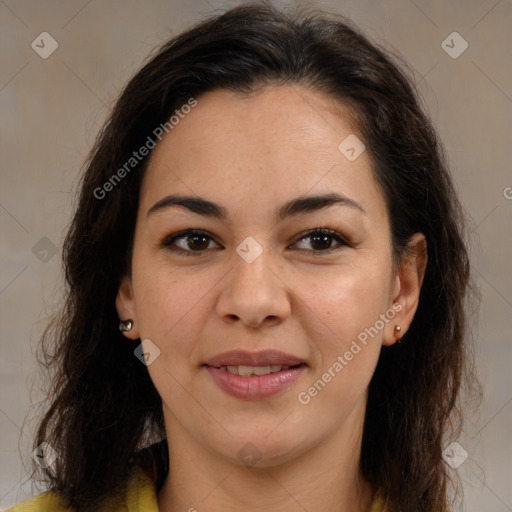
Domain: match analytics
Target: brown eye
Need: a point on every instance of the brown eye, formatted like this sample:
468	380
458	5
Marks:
321	240
196	241
187	242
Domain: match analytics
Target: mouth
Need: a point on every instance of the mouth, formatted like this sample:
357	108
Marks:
256	375
262	359
249	371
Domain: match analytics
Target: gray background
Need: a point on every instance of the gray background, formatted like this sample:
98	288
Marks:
52	109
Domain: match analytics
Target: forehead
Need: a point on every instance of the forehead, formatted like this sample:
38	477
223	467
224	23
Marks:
264	120
282	139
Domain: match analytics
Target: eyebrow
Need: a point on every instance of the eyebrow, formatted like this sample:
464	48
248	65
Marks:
298	206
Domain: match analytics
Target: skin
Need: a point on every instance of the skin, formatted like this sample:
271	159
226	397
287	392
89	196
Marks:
251	154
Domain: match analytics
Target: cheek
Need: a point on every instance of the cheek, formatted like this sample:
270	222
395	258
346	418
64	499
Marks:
172	304
345	301
342	311
172	308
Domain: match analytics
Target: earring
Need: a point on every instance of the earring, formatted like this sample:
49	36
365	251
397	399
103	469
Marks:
126	325
397	332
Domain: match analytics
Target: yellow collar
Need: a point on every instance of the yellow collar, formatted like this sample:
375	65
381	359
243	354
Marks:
142	497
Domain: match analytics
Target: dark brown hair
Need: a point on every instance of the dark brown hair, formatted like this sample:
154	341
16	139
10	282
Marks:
102	398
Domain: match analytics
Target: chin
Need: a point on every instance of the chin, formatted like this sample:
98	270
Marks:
264	448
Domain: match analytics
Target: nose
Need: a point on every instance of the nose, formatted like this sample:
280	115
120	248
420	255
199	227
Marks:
254	293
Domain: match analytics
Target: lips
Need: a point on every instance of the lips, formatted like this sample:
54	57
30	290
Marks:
254	375
262	358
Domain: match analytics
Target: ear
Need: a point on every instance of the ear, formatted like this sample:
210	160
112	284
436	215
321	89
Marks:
406	291
125	305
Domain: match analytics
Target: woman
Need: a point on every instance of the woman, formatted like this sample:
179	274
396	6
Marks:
267	284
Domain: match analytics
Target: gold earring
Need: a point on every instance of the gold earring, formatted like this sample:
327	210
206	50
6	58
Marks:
126	325
397	332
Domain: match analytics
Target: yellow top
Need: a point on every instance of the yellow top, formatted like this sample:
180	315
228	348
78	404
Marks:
141	498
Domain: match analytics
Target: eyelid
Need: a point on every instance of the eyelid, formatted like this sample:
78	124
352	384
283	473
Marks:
323	231
168	240
342	240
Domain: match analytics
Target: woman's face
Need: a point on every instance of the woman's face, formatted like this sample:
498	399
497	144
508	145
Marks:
258	279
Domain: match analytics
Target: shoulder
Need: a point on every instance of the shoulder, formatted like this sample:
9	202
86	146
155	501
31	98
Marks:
142	497
378	504
45	502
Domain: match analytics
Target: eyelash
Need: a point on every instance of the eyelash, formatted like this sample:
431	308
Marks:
168	241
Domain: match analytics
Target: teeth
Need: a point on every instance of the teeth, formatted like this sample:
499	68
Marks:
258	370
247	371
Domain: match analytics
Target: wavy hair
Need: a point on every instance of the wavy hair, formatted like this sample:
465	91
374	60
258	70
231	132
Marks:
101	398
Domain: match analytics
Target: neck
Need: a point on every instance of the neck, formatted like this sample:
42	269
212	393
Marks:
323	478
